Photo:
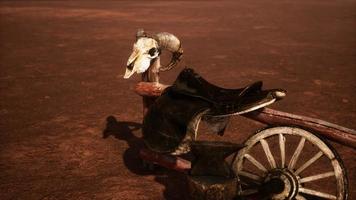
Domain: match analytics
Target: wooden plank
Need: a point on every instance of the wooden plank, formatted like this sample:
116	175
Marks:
326	129
164	160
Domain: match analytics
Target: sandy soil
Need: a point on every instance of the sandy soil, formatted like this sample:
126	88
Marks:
61	76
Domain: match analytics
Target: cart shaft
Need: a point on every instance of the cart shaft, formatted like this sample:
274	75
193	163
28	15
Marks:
326	129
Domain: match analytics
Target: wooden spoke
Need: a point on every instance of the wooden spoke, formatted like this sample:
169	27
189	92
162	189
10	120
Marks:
250	176
316	193
255	162
296	154
309	162
268	153
317	177
282	147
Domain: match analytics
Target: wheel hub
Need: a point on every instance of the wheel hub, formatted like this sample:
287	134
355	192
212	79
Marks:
280	184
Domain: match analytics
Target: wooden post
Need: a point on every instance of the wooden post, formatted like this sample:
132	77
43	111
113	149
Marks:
150	76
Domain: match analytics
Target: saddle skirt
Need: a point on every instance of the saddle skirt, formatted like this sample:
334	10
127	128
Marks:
172	120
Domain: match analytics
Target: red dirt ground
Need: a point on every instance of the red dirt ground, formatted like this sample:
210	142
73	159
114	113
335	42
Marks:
61	76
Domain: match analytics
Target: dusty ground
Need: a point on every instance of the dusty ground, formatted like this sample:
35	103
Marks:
61	77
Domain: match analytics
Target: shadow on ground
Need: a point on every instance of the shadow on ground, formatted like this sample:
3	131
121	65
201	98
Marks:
173	182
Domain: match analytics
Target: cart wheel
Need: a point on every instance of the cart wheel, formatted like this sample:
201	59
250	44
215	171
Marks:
289	163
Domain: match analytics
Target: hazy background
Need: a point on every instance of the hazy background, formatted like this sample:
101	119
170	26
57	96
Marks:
61	68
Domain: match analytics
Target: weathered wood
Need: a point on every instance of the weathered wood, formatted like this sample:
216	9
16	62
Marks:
274	117
167	161
328	130
212	188
151	76
150	89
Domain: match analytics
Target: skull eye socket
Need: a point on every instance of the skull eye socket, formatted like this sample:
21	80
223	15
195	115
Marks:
152	51
130	66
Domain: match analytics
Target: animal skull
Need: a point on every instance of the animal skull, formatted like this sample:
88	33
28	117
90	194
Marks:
146	51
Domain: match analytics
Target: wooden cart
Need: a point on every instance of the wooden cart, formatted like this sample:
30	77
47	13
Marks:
318	174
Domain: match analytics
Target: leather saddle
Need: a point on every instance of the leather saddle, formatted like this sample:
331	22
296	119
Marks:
172	121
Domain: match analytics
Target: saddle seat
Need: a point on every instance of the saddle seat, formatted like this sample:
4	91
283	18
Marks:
171	122
225	101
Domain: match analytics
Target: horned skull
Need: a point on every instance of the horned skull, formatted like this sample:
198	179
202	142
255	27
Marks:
146	52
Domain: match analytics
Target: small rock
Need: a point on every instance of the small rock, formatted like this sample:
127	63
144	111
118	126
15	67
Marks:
345	100
317	82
